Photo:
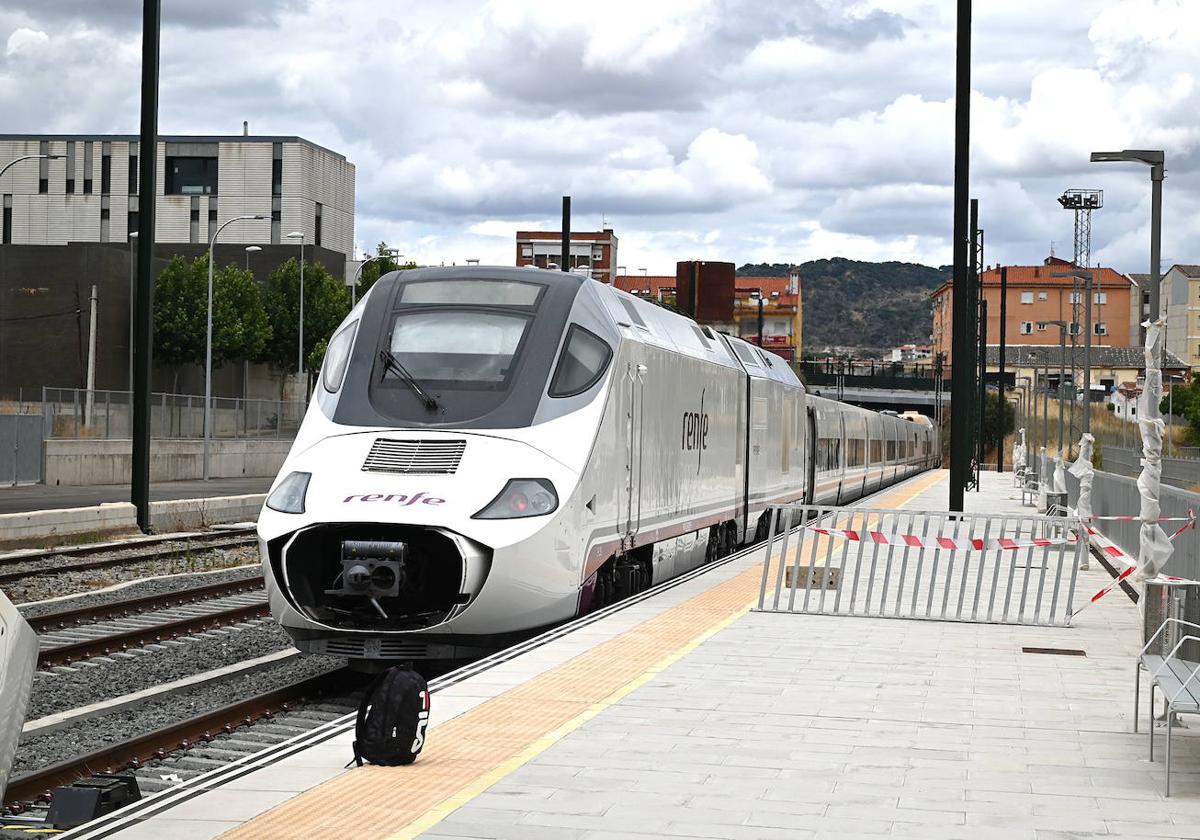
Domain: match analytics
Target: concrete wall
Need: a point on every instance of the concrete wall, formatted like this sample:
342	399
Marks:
89	462
44	528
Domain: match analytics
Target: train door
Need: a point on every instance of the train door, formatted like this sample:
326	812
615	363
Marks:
634	385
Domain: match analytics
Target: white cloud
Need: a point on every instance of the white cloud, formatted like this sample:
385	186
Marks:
25	42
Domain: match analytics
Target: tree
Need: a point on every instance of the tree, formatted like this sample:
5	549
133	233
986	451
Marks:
378	267
998	420
240	325
326	303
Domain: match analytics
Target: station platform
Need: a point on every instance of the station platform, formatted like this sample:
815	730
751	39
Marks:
689	715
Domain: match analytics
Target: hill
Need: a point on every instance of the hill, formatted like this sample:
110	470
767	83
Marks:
849	303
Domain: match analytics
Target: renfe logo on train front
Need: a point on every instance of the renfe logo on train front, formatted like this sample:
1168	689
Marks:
399	498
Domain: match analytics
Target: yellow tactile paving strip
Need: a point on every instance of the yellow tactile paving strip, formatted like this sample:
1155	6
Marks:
469	753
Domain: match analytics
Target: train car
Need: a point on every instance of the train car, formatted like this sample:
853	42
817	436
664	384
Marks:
18	661
494	450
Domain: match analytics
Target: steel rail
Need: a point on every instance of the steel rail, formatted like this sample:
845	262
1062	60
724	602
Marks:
131	753
65	654
121	545
124	560
161	600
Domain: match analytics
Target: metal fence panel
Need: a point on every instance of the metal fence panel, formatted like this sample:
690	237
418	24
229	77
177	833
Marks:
1117	495
930	565
1177	472
20	449
66	415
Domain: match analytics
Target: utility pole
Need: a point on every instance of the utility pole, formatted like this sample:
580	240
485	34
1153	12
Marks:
139	479
961	339
91	366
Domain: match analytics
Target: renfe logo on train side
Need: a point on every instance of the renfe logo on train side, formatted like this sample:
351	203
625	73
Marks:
396	497
694	435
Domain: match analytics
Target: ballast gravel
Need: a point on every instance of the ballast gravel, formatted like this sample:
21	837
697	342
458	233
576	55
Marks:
156	586
37	586
91	683
41	751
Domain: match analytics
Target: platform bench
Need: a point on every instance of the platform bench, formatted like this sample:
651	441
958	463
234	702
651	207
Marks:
1178	680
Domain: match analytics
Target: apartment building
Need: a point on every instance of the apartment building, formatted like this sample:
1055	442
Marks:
593	252
1180	301
1036	297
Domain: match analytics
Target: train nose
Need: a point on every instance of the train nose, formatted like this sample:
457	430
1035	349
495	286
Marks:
379	576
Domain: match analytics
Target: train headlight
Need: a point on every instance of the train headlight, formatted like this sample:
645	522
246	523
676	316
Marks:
337	357
288	497
520	498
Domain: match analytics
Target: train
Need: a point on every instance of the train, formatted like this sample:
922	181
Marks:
493	450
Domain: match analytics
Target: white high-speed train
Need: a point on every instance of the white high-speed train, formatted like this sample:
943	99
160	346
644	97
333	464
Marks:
493	450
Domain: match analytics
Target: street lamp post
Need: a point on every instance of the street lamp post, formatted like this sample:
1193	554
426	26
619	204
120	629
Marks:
15	161
208	339
300	346
1086	276
251	249
1062	375
1156	160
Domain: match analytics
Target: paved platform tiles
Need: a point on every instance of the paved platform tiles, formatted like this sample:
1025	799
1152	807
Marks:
714	722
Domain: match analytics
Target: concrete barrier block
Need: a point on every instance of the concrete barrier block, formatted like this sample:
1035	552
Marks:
195	514
54	527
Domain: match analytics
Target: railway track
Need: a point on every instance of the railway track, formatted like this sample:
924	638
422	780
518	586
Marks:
21	566
277	707
70	635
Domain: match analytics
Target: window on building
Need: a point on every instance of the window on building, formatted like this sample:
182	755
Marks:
212	217
276	169
1041	327
105	171
1043	296
6	234
133	169
1026	297
44	167
317	226
1100	328
1027	328
191	176
1076	297
194	220
87	168
132	221
276	219
105	213
1100	297
1075	328
70	167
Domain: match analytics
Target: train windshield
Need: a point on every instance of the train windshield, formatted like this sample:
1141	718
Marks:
456	347
460	346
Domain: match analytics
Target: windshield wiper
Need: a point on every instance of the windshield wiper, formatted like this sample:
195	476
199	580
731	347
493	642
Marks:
390	362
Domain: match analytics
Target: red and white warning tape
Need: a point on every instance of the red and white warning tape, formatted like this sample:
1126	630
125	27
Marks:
950	543
1108	548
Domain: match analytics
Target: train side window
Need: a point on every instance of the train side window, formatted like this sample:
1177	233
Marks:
744	354
584	359
876	450
891	450
703	340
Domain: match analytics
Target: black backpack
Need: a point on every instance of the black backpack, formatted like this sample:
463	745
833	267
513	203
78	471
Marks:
392	717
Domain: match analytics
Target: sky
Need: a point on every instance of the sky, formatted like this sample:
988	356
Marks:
738	130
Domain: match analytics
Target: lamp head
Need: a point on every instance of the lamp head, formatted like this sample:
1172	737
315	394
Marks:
252	248
295	235
1150	157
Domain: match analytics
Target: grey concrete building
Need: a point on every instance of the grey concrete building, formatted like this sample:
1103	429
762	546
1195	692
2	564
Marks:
66	222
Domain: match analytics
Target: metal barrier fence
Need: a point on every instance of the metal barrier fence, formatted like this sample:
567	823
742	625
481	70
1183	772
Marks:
1178	472
68	413
1003	569
1117	495
20	449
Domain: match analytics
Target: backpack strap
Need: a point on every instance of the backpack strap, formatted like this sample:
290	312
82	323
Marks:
361	718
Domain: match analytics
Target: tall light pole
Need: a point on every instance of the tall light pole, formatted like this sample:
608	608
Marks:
251	249
15	161
1156	160
1086	276
132	284
208	338
296	234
